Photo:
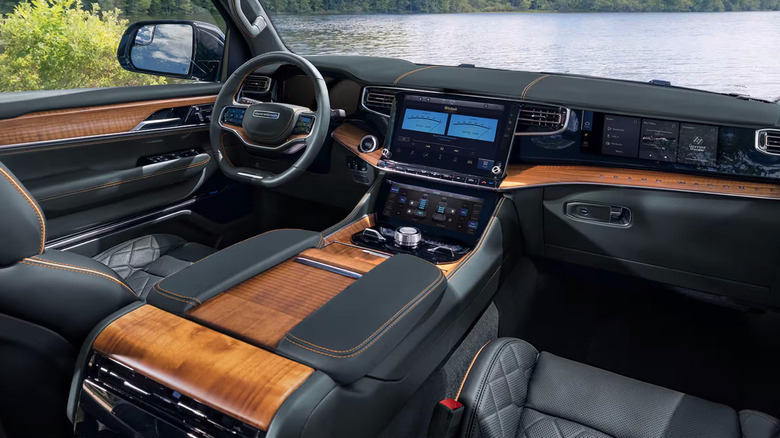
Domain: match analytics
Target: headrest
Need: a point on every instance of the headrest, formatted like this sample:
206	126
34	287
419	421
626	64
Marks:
22	225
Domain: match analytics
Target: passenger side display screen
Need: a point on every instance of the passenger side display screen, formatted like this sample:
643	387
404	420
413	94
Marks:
458	134
649	139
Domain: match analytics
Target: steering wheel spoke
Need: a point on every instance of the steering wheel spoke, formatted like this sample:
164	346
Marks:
271	127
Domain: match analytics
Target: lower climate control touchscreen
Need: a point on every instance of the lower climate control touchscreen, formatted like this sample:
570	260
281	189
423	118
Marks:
449	211
649	139
467	140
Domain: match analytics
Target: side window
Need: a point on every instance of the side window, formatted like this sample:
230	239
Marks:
65	44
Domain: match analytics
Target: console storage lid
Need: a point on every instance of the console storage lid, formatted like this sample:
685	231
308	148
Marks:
228	267
349	335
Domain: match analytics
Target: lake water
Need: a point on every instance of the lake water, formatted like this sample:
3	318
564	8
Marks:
727	52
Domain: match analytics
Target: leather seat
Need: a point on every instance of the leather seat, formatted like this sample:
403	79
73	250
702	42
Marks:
144	261
50	300
512	390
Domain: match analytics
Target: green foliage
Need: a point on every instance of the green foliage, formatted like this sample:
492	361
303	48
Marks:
56	44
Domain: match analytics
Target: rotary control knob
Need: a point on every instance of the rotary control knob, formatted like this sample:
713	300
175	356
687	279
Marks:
407	237
369	143
496	170
386	153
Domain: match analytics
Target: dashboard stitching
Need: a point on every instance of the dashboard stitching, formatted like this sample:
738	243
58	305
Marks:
528	87
398	79
383	329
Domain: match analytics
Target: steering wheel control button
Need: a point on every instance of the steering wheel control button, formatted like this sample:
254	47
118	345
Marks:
407	237
368	144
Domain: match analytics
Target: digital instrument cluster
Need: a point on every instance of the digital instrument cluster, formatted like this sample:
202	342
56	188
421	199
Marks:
452	138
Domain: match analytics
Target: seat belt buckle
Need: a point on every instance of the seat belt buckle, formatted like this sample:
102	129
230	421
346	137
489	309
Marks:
445	421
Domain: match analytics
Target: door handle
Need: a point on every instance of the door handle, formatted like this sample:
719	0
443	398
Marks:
603	214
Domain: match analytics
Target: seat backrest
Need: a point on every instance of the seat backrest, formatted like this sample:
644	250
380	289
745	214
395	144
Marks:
49	302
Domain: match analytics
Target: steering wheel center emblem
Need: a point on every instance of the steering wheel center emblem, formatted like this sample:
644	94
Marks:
265	114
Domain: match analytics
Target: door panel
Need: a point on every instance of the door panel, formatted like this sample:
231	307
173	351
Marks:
718	244
92	165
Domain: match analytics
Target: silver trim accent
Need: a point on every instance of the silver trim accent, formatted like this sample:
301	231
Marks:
327	267
365	93
140	126
267	89
75	240
374	147
565	122
375	234
761	145
251	175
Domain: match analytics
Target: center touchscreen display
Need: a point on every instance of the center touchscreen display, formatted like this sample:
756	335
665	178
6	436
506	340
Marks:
468	136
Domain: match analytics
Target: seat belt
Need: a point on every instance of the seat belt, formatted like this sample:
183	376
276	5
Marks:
445	421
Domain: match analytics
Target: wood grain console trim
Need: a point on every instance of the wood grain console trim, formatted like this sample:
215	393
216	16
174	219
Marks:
86	122
520	176
349	136
265	307
226	374
344	256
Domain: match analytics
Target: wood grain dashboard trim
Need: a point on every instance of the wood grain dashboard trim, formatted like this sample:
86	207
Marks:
85	122
520	176
523	176
349	136
223	373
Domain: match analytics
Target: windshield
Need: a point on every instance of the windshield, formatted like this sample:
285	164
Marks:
727	52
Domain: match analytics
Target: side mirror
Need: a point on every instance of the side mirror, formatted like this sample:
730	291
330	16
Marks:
176	48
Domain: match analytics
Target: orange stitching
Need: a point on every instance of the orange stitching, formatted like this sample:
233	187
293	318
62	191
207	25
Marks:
115	183
528	87
224	152
160	293
468	370
29	200
80	271
157	285
418	299
398	79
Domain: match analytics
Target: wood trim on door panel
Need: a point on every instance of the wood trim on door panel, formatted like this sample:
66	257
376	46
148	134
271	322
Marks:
223	373
520	176
86	122
264	308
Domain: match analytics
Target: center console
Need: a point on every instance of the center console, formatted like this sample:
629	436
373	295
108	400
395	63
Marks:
462	140
431	223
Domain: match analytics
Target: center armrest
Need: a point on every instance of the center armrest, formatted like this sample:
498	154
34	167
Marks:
350	334
228	267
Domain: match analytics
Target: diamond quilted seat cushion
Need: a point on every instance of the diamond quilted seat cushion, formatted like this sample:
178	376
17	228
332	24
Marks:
144	261
512	390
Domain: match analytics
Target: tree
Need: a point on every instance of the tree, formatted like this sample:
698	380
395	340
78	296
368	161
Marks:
55	44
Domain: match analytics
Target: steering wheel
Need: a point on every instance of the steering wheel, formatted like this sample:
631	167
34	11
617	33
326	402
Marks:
269	126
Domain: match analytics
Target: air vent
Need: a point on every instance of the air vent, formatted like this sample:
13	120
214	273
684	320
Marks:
115	384
541	119
256	84
379	100
768	141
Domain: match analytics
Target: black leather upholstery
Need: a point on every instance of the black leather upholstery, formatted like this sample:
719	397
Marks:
350	334
512	390
22	224
144	261
190	287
